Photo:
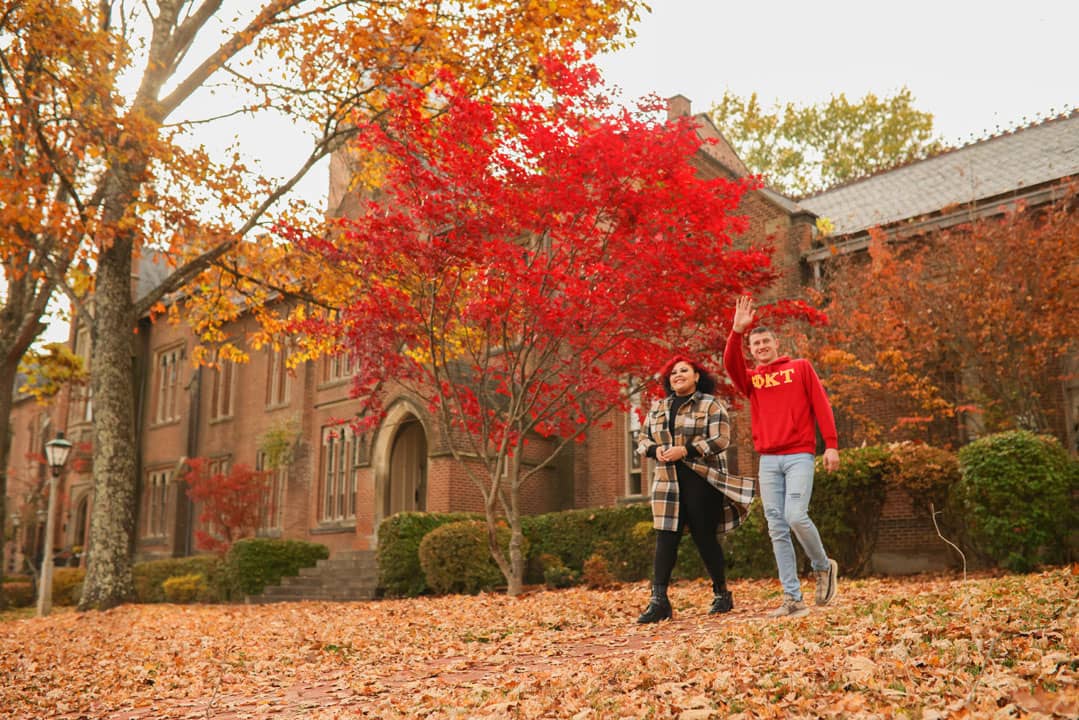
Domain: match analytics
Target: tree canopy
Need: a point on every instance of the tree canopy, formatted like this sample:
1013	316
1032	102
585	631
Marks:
527	275
800	149
98	122
969	327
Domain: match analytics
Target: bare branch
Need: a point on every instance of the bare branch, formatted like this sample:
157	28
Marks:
184	274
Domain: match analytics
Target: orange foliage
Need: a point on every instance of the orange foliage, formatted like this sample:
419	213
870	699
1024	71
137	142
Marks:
967	327
918	646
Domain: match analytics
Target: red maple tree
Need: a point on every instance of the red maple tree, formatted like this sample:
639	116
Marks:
229	504
527	268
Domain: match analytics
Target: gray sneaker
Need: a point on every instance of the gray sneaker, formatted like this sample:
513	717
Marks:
826	583
790	608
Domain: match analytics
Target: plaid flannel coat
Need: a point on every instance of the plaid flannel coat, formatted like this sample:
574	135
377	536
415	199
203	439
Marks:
703	423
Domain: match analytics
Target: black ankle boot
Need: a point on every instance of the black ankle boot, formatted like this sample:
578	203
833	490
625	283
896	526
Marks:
721	603
659	608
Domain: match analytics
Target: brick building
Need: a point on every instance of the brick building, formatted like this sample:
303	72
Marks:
1030	166
336	486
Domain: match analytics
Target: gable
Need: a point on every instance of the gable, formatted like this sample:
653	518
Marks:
717	148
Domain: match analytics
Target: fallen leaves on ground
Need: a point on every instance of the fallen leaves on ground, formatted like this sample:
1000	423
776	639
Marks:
919	647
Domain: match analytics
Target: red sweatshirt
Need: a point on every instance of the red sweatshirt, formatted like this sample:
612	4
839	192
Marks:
785	398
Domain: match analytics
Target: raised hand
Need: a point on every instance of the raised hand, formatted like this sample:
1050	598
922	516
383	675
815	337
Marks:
744	312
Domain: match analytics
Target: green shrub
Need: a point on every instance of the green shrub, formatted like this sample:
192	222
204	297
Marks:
689	565
748	550
456	559
399	536
151	575
19	593
555	573
846	505
67	585
1017	498
631	560
185	588
254	563
573	536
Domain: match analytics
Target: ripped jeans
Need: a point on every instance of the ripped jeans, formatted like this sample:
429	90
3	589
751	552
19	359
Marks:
786	485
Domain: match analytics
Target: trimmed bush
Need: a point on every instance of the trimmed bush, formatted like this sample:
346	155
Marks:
19	593
254	563
573	536
846	505
399	536
555	573
67	586
748	550
632	560
1017	497
151	575
185	588
456	559
689	565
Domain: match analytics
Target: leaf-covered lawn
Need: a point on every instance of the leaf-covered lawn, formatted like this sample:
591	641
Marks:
921	647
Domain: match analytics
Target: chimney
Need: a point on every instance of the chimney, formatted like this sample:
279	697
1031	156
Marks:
677	106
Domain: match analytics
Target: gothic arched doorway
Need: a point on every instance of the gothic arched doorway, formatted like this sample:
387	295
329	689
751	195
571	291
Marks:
82	522
406	483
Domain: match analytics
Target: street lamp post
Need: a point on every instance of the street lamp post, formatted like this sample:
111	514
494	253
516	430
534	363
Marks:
56	452
16	560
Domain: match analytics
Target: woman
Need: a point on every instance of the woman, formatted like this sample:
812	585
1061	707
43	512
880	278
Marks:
687	434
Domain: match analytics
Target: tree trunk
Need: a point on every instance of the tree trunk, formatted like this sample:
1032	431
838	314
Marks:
109	580
7	400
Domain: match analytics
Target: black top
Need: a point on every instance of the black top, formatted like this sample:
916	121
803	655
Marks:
677	401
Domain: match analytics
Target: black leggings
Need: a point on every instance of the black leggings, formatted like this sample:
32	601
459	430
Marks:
700	507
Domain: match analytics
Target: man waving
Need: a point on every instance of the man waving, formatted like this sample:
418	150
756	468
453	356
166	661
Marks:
786	402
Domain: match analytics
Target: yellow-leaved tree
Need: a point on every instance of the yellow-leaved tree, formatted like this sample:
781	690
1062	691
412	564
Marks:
100	93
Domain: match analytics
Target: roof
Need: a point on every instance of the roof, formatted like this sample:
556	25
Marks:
1000	165
721	152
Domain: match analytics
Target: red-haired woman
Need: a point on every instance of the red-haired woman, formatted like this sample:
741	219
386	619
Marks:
687	434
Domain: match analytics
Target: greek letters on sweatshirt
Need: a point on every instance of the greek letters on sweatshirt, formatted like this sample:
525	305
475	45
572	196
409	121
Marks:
786	398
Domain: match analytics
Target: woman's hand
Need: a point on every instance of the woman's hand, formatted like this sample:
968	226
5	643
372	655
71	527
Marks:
672	454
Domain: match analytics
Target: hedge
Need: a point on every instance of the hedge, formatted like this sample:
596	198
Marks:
455	557
399	536
19	593
151	575
185	588
846	505
254	563
559	545
574	535
1018	498
67	585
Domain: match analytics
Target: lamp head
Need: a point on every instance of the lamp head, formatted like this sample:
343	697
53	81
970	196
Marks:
56	453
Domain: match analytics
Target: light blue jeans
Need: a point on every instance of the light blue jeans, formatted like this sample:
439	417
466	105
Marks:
786	486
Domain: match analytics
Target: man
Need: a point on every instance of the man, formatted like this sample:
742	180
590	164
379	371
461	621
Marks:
786	400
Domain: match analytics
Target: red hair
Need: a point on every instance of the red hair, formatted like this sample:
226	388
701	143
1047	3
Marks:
706	382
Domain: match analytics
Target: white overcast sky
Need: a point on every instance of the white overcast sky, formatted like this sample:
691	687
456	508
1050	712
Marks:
974	65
